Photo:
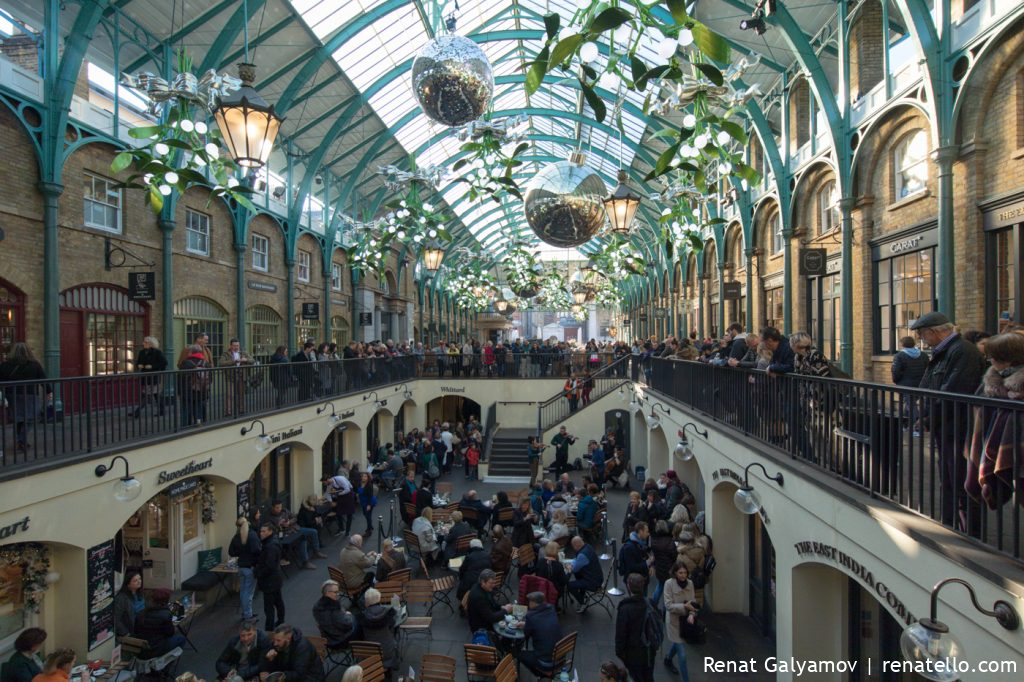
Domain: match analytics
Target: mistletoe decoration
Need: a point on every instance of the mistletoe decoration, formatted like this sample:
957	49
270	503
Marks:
34	561
522	270
182	150
487	168
209	501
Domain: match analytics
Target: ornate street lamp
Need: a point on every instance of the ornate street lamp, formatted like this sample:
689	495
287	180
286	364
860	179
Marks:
247	123
621	206
432	256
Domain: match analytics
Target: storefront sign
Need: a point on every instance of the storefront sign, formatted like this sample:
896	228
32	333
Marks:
339	302
905	243
285	435
16	527
1004	214
452	389
859	571
732	291
183	487
365	319
311	311
812	262
142	286
100	592
348	413
261	286
773	281
188	470
833	265
243	499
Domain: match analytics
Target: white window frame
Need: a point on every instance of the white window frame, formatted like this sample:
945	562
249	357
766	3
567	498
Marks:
335	276
828	208
778	241
87	201
260	252
302	266
902	166
194	219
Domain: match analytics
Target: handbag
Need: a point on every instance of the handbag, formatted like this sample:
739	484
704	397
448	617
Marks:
432	471
692	633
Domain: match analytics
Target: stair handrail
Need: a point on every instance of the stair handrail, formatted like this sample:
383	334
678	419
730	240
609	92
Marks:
485	456
606	380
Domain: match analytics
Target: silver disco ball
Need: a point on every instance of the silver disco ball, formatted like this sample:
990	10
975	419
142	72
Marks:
452	80
564	203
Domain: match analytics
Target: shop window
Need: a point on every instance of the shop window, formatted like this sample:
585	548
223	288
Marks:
191	516
332	453
828	208
761	571
260	253
306	330
773	308
824	313
385	288
193	316
340	333
264	331
101	330
905	290
102	203
15	562
302	266
12	318
197	232
910	164
1005	278
775	229
272	478
336	276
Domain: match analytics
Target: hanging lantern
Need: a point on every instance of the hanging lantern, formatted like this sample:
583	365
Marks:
247	123
621	206
580	293
432	256
501	305
613	331
563	203
452	80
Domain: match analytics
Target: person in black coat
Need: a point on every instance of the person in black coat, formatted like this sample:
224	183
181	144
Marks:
22	401
151	360
23	665
910	364
156	626
245	546
541	629
629	627
522	524
293	656
634	552
472	566
482	609
459	528
244	653
280	375
269	576
306	370
783	358
337	625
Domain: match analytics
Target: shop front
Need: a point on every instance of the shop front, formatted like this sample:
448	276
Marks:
824	312
904	283
1003	219
773	312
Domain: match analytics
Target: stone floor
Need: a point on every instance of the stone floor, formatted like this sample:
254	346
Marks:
730	636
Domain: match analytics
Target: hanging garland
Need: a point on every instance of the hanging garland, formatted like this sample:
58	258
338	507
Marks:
209	501
34	561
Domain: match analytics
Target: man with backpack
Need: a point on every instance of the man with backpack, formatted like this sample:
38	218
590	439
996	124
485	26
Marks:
639	630
634	555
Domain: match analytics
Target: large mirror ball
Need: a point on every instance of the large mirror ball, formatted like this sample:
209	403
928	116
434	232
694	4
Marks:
452	80
564	204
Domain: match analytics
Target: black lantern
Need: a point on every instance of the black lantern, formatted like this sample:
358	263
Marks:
247	123
621	206
432	256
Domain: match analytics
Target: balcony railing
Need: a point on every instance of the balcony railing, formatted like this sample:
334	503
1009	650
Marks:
601	382
908	446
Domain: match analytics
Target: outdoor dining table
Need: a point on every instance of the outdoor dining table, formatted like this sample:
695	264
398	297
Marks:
511	640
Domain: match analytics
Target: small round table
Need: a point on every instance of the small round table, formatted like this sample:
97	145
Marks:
511	640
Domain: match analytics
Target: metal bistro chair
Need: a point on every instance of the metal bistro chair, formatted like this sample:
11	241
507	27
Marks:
165	664
437	668
418	593
330	658
504	516
389	588
562	657
524	558
401	575
600	597
442	587
337	576
412	544
481	662
462	544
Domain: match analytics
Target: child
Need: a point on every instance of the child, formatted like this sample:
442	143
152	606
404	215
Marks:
472	459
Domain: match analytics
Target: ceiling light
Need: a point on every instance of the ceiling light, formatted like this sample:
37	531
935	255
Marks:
621	206
755	23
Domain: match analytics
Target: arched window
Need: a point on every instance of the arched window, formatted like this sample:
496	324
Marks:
12	317
306	330
263	331
910	164
194	315
340	333
828	207
101	329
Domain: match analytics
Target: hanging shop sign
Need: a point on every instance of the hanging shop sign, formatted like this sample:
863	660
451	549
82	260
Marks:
142	286
642	317
365	319
832	554
906	242
187	470
14	528
183	487
100	592
812	262
311	311
732	291
261	286
660	313
243	498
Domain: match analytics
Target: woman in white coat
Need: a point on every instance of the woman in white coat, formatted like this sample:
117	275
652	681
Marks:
423	526
679	603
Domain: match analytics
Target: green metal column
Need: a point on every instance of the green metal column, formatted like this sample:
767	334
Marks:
167	226
240	294
846	285
945	283
749	322
787	286
721	293
289	265
327	305
703	308
847	201
51	277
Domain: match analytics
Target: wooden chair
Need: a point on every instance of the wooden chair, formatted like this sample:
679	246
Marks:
330	658
462	544
401	575
570	522
412	544
441	586
373	669
444	489
442	515
362	650
135	649
481	661
338	577
453	506
418	593
410	510
563	656
504	516
389	588
437	668
525	557
502	589
506	670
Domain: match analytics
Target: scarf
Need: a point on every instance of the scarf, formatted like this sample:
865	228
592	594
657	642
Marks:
682	583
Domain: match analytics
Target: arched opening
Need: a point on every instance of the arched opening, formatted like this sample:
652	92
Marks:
735	306
264	330
713	298
452	408
194	315
341	333
657	455
333	452
306	330
730	589
690	474
101	329
12	317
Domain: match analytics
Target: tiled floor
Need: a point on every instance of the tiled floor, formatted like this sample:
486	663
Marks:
730	636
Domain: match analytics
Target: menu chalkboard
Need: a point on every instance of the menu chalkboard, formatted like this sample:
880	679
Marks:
242	492
100	573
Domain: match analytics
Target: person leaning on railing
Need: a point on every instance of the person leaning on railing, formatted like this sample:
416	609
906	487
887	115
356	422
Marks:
22	401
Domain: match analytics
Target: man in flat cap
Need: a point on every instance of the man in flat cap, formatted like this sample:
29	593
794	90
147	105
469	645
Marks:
956	366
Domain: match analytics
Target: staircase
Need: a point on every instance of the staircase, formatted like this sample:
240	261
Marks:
555	409
508	455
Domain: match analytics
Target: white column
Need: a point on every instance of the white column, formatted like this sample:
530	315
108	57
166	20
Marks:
593	324
394	331
410	317
362	303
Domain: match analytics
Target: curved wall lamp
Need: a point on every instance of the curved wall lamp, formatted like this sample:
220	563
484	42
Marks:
683	450
127	487
929	642
377	402
333	416
654	421
406	393
745	499
263	440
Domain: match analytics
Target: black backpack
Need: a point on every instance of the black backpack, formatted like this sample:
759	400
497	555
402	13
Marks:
653	632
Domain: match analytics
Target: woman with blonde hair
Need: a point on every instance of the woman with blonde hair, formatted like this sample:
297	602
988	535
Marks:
246	547
150	361
353	674
423	526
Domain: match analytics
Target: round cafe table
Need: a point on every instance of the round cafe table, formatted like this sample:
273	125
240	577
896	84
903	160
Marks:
510	640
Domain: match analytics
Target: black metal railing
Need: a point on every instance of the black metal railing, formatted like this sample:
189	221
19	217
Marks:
491	427
55	418
558	407
913	447
539	365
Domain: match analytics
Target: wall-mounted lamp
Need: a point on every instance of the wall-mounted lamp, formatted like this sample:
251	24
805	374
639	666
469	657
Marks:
626	388
377	402
683	450
929	642
745	499
653	421
127	487
263	441
334	416
406	393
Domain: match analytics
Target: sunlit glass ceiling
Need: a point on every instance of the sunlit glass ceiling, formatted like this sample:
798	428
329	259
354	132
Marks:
378	58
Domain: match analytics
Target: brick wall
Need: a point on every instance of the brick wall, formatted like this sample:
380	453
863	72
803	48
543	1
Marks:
867	45
799	116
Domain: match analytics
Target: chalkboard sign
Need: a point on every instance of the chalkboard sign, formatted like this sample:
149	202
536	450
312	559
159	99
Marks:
100	592
209	558
243	492
311	311
142	286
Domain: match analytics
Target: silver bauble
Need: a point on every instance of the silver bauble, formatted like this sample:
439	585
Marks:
564	204
452	80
